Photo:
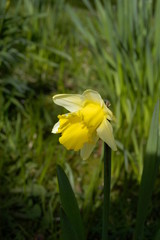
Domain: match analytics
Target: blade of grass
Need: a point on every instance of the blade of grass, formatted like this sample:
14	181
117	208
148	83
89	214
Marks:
151	164
157	237
68	232
69	204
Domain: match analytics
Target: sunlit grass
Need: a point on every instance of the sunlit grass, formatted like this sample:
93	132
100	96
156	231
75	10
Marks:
45	53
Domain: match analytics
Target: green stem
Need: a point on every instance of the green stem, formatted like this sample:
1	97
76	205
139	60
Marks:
107	183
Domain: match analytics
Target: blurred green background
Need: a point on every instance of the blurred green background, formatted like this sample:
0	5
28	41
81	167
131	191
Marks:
57	46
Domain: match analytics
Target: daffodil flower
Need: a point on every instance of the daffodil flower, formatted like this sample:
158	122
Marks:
88	120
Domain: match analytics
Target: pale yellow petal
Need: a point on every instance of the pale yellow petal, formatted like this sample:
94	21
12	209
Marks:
105	132
55	128
109	113
92	95
88	148
72	102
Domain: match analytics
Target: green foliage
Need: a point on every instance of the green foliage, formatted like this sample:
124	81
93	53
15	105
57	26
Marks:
115	51
70	216
123	38
157	236
150	169
66	228
26	194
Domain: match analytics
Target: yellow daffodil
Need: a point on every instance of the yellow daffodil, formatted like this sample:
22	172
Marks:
88	120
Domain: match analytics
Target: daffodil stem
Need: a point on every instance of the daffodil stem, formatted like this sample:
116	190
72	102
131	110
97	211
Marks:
107	183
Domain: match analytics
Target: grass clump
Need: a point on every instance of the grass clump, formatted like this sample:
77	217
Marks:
49	47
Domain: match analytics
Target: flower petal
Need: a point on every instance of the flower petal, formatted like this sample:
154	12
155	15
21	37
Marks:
93	96
105	132
88	148
55	128
109	113
72	102
74	133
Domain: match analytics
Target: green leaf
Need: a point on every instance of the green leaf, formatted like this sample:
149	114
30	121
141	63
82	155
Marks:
68	232
69	204
151	163
157	237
